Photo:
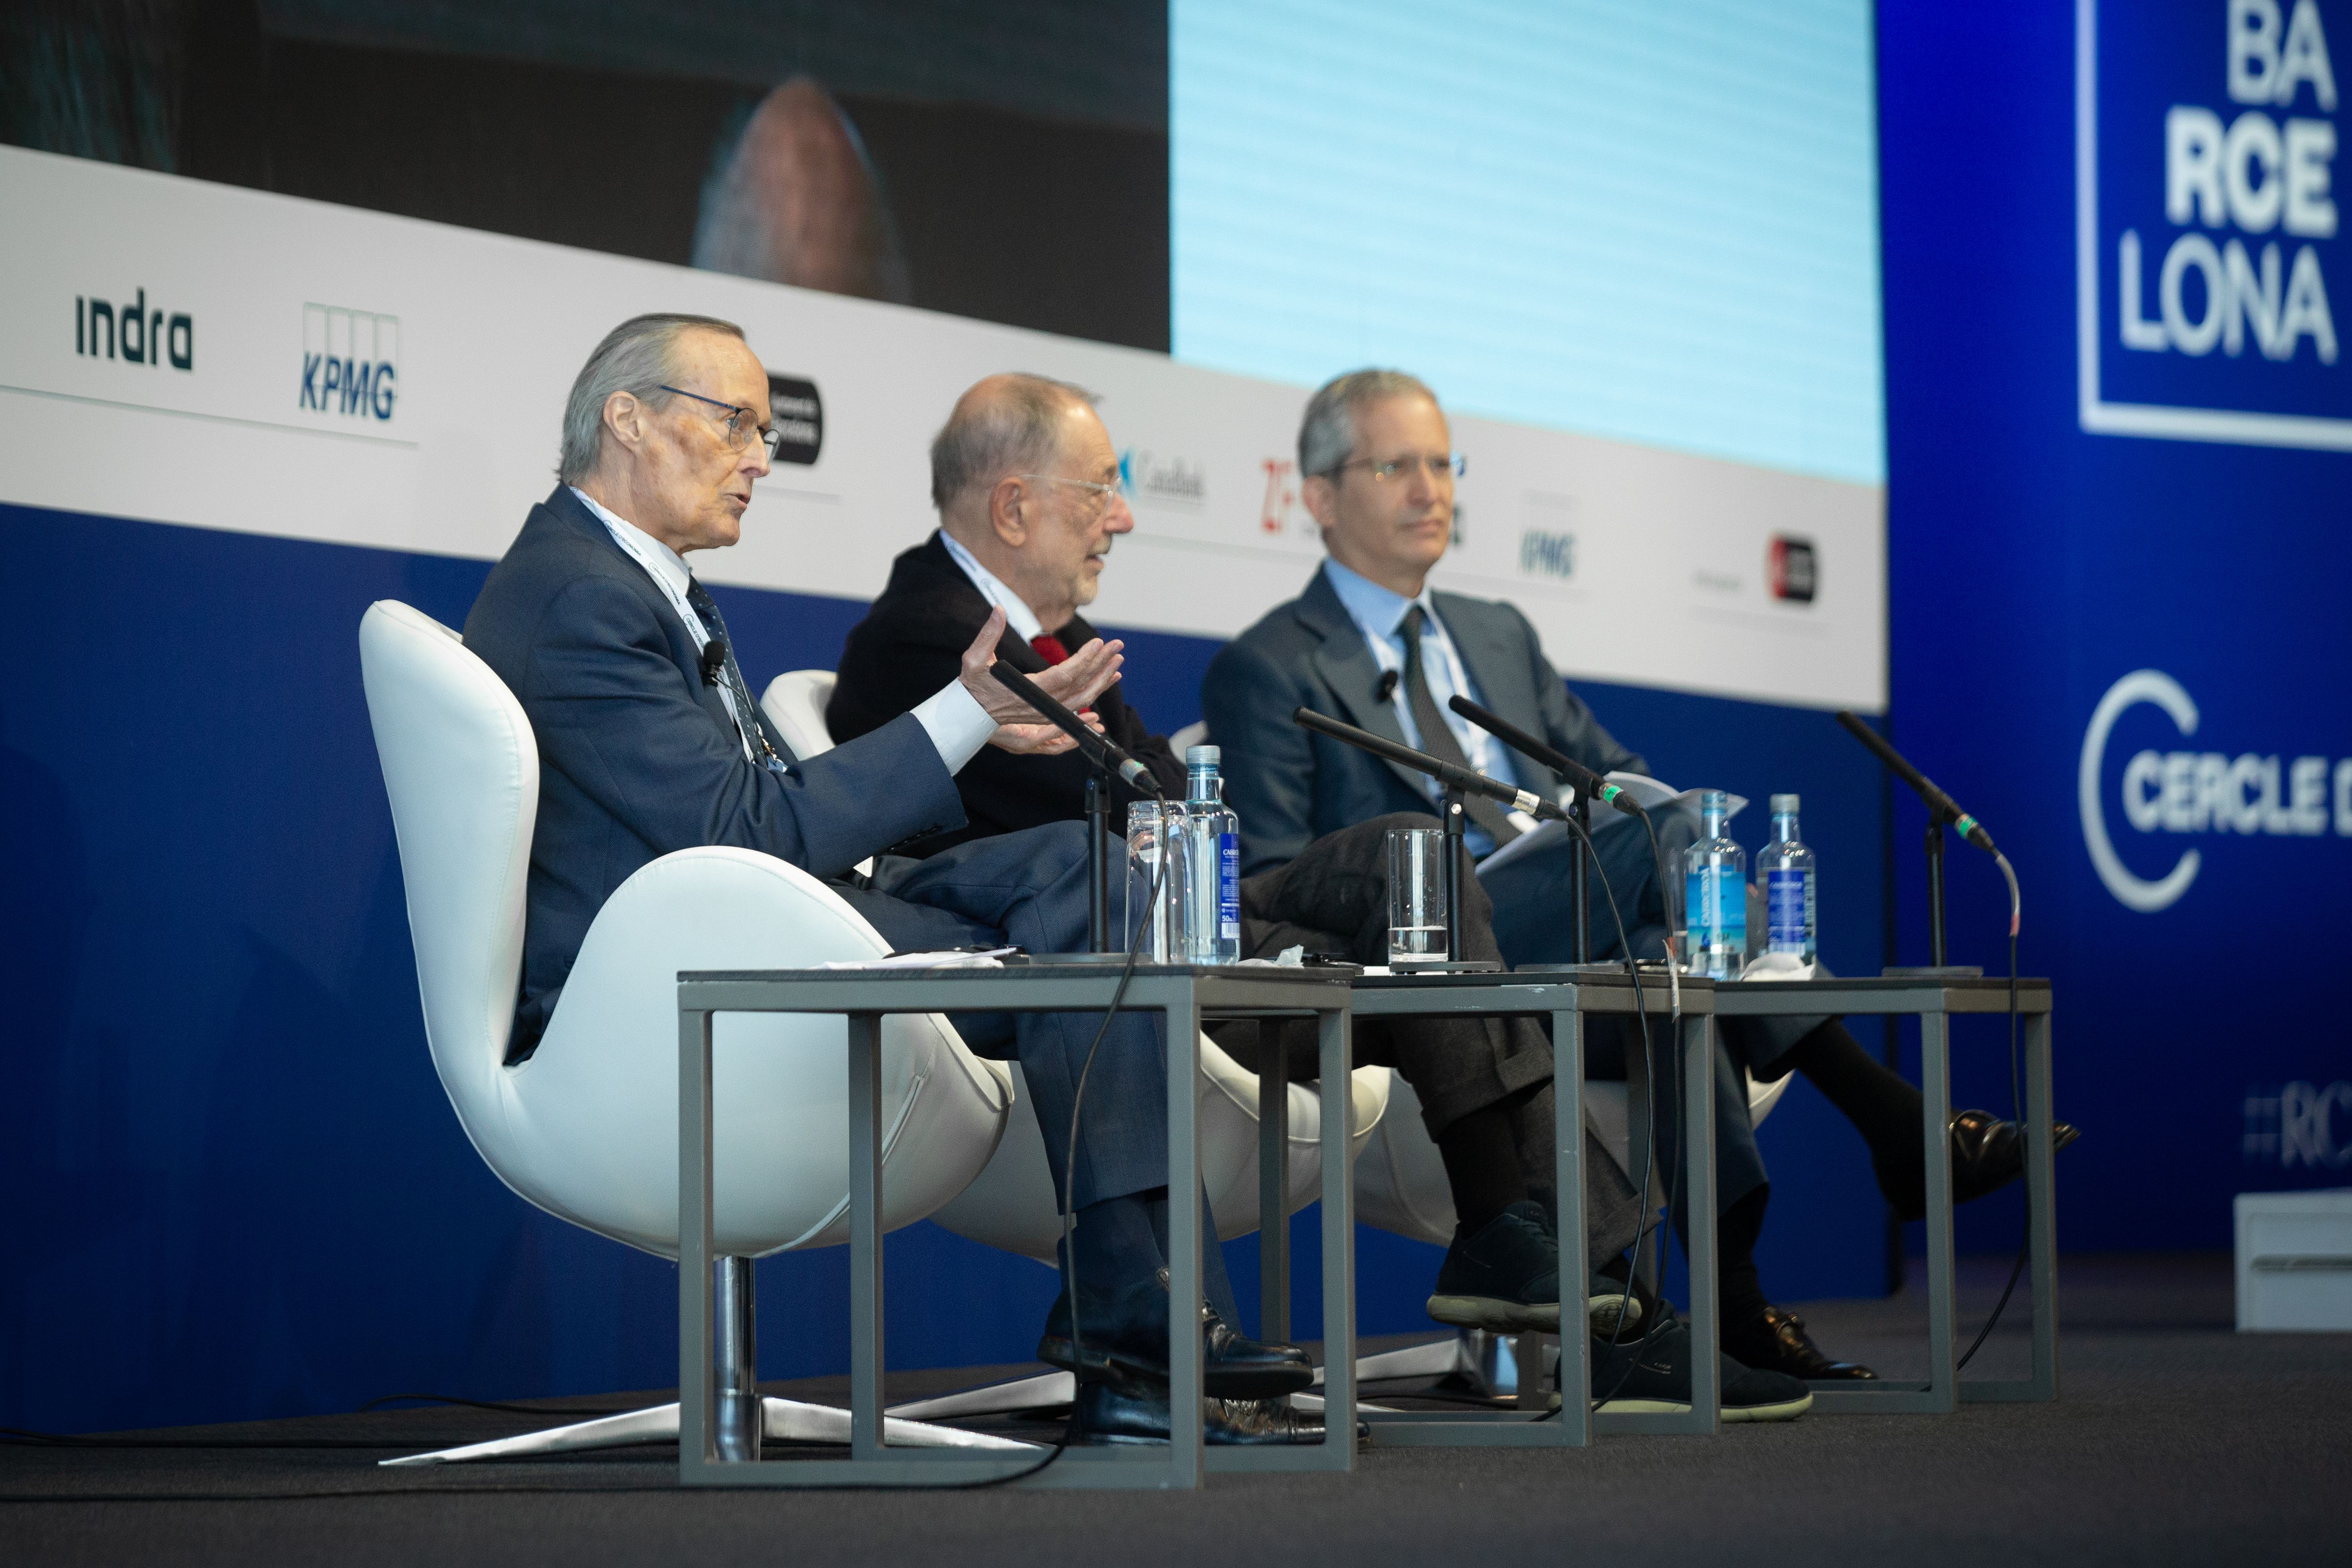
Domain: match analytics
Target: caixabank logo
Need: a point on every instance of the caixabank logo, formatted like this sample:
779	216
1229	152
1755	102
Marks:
2210	257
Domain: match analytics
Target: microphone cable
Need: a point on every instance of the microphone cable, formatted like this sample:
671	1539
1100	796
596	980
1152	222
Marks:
2017	1110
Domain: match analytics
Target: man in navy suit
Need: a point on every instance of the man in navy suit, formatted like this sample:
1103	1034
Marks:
650	742
1368	642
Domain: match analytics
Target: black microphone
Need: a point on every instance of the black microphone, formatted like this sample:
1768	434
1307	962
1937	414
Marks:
714	659
1588	783
1970	829
1100	749
1387	686
1463	778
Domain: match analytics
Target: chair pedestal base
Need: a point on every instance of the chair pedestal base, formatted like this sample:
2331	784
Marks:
781	1420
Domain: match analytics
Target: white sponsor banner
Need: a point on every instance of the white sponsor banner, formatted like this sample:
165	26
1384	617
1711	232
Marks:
200	355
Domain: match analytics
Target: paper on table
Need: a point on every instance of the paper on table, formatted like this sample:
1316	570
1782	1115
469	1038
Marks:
992	960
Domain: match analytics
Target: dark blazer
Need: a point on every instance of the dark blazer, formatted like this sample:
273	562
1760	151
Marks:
1291	786
911	644
638	757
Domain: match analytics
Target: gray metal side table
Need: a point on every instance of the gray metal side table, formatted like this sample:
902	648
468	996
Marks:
1933	1000
1185	995
1563	999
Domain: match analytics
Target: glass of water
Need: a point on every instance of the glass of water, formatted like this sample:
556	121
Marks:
1416	897
1151	827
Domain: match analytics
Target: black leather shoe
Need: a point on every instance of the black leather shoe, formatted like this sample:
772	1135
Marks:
1777	1342
1126	1336
1506	1278
1115	1411
1987	1154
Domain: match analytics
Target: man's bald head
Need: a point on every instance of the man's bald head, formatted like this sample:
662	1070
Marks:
1006	425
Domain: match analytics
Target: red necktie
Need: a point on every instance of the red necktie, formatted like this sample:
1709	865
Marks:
1049	648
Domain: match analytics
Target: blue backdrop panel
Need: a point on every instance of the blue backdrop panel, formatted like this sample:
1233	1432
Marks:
2034	565
248	1196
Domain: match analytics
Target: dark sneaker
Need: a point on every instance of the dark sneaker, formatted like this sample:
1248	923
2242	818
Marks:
1506	1278
1653	1376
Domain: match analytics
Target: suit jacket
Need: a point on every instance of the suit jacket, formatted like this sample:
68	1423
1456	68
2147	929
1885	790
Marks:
638	757
911	644
1290	786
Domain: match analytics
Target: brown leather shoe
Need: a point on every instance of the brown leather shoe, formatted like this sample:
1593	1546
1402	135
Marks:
1778	1342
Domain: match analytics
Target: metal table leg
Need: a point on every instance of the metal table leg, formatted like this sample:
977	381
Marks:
1567	1180
1273	1184
2041	1230
866	1398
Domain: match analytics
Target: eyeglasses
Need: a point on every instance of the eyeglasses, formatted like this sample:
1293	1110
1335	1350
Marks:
1396	470
1103	494
738	433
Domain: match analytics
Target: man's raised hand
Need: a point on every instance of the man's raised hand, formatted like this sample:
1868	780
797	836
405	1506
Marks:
1076	682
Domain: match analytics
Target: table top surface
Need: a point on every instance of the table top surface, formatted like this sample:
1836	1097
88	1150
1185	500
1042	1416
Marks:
1035	969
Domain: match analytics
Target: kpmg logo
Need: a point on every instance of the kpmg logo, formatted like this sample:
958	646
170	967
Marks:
132	332
2208	225
350	363
1148	475
2185	792
797	411
1543	553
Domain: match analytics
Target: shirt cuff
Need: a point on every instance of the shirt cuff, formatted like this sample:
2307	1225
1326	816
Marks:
958	726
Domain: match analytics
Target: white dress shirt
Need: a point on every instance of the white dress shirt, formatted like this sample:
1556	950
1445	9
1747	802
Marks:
958	726
1017	614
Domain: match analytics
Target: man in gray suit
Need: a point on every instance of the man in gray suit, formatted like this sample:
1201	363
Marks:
650	742
1369	643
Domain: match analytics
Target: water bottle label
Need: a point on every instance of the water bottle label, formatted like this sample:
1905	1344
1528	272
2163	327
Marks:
1714	906
1229	886
1788	902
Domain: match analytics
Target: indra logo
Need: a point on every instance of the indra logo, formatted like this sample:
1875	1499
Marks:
2208	248
2182	792
132	332
350	363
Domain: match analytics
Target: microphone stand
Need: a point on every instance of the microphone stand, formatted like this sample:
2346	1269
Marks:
1579	874
1455	861
1937	821
1098	861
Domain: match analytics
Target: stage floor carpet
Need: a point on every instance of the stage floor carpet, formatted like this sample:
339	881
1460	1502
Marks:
2175	1440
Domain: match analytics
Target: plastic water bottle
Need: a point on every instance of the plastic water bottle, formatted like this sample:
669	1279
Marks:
1715	895
1785	869
1212	906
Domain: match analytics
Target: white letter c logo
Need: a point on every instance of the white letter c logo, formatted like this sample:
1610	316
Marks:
2139	686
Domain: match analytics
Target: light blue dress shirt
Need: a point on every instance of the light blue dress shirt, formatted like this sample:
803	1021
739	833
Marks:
1379	613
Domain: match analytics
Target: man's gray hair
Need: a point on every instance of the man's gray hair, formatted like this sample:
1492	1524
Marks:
1327	435
635	356
1016	429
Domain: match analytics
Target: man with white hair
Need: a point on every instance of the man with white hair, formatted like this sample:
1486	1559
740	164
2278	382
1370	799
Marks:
650	742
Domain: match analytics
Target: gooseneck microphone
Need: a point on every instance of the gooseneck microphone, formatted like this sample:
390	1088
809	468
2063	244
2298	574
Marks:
1100	749
1463	778
1587	782
1970	829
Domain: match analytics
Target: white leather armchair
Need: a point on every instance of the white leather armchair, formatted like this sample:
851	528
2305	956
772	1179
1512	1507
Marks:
587	1128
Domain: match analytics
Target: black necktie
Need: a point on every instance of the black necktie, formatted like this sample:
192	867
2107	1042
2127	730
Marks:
747	712
1437	738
